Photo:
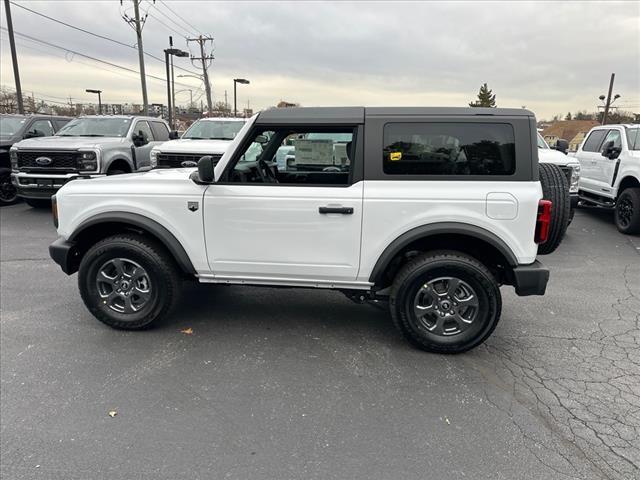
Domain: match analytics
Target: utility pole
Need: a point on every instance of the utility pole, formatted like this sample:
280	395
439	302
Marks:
14	57
137	25
173	84
205	59
608	104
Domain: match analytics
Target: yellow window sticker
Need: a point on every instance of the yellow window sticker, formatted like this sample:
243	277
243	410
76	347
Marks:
395	156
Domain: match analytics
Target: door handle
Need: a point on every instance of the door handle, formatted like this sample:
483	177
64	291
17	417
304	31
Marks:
341	210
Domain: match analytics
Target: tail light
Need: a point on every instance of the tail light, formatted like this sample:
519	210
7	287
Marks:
543	223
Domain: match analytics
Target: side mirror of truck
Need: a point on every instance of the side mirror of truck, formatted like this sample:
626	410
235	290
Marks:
34	133
205	169
261	139
138	139
562	145
173	135
609	151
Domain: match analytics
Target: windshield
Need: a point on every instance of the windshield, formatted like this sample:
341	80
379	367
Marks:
213	130
633	138
541	142
9	126
95	127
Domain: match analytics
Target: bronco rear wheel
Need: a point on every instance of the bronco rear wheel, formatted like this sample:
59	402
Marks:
128	281
445	302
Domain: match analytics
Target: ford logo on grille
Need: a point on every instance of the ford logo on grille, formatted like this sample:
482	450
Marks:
189	163
44	161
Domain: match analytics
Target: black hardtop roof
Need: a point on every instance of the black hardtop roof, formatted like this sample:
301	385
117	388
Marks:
339	115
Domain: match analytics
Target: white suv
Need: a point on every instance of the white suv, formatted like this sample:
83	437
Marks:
433	210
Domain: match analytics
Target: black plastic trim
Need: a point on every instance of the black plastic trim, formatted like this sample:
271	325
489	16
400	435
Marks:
530	279
165	236
430	230
64	254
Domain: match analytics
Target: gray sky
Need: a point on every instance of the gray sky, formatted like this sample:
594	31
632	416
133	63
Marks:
551	57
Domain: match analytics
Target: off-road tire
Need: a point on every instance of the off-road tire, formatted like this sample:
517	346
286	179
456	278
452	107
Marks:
432	266
629	221
163	273
38	202
555	187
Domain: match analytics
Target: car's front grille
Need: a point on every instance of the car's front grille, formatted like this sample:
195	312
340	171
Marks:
567	172
56	162
179	160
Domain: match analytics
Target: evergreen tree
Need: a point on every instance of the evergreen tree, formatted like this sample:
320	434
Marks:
486	98
568	117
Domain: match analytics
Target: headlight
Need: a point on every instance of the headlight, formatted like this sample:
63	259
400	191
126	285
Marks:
13	155
88	161
153	158
575	179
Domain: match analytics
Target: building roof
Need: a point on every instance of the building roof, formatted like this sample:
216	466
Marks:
568	129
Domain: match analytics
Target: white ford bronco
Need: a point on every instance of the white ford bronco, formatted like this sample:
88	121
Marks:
434	210
610	161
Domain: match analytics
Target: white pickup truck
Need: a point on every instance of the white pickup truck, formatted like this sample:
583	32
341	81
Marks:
610	172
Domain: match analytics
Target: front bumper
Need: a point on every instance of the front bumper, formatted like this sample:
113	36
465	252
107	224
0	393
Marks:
530	279
65	254
42	185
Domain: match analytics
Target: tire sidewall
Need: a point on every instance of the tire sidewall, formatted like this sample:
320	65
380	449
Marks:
5	178
89	267
482	326
634	225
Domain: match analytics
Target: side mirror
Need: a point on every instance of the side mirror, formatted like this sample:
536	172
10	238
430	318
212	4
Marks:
138	139
34	133
173	135
609	151
562	145
205	169
261	139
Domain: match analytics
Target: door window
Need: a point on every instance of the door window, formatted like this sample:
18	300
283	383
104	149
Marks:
59	123
304	156
615	137
594	140
143	129
41	128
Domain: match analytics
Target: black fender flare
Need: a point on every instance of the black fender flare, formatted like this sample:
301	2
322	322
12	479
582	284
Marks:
439	228
108	164
135	220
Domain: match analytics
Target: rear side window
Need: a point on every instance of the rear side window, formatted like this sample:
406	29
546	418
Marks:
160	131
449	149
633	138
59	123
594	140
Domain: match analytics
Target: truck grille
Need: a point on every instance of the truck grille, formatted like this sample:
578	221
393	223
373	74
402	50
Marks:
175	160
567	172
60	161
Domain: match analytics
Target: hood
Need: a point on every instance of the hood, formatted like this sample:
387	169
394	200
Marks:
186	145
160	182
548	155
66	143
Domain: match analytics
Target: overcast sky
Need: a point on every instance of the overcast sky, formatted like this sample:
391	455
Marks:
551	57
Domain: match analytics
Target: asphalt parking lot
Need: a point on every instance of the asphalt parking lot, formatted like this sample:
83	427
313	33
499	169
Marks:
279	384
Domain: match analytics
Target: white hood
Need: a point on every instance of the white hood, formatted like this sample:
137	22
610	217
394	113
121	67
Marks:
548	155
66	143
186	145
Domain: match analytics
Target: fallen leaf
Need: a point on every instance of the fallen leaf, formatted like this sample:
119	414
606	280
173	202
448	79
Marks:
447	420
187	331
112	413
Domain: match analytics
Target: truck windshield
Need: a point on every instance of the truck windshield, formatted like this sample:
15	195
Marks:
633	138
213	130
9	126
541	142
95	127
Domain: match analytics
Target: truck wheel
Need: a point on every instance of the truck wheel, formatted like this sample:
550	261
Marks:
128	281
555	187
445	302
8	192
38	202
627	216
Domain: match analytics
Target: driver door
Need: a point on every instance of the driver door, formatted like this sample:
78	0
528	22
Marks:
299	228
605	166
143	150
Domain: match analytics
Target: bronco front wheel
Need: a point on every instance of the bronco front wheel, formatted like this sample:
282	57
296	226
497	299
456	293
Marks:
128	281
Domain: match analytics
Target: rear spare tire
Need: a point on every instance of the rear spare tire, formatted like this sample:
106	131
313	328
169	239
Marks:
627	215
555	187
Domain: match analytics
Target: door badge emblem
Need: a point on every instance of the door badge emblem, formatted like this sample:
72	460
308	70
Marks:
193	206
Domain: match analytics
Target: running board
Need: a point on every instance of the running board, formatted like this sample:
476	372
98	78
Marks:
284	282
597	201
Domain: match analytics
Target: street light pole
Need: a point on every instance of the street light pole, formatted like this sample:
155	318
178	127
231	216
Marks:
243	81
91	90
177	53
14	58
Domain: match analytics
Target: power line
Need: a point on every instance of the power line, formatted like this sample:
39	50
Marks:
168	18
115	65
180	17
97	35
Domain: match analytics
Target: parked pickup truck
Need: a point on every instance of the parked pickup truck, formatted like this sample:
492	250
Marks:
207	136
434	210
14	128
610	172
569	165
89	147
